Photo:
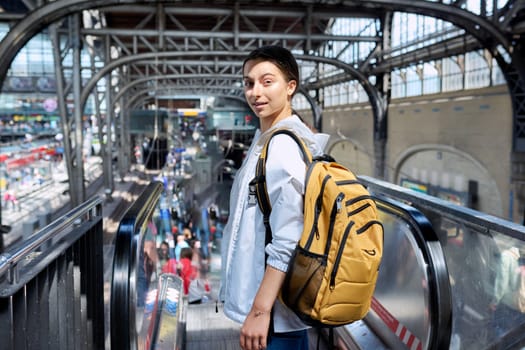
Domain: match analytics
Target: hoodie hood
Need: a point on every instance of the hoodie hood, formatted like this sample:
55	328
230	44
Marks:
316	142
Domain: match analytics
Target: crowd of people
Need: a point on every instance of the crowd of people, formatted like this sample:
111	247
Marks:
187	263
175	246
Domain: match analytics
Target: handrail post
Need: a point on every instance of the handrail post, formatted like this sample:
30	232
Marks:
12	276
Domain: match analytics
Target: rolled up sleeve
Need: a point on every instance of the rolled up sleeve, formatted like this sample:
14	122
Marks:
285	176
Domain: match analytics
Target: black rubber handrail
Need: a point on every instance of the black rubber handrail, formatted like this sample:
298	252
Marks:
440	300
128	243
482	222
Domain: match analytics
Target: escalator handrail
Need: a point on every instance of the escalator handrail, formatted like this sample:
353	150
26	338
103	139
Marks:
440	303
127	245
481	221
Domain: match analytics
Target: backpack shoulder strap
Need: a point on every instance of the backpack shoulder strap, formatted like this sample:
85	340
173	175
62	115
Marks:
259	182
258	186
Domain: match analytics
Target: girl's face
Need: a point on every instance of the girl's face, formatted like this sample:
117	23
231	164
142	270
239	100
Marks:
268	92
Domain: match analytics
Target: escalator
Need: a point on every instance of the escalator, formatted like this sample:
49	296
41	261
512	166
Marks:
434	290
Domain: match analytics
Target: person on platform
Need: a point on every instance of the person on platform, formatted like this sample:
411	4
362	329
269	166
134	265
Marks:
180	244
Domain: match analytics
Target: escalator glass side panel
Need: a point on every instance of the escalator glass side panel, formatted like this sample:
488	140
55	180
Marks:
400	286
485	259
487	275
412	297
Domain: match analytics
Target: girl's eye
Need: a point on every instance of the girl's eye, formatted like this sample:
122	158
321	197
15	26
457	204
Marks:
248	83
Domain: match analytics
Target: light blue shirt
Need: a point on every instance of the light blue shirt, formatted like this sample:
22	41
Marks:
243	256
178	248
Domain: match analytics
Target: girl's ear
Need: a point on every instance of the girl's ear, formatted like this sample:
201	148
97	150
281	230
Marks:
292	85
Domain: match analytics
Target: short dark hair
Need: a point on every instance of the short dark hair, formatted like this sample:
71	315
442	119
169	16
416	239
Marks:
186	253
281	57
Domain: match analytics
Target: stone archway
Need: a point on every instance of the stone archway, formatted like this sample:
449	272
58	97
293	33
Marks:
449	168
353	156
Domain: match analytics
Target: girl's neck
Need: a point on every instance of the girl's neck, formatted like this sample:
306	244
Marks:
267	124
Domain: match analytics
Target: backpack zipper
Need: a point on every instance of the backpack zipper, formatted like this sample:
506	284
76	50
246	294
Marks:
336	208
360	209
357	199
367	226
318	207
339	255
348	182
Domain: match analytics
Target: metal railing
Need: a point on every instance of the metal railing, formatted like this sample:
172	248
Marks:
51	285
166	331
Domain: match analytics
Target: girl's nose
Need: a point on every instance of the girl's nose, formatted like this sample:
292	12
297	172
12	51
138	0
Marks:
256	90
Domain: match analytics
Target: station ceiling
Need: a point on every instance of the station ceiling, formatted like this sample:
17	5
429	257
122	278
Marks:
195	47
155	50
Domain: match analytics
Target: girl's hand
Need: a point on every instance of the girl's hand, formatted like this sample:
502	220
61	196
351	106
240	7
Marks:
254	331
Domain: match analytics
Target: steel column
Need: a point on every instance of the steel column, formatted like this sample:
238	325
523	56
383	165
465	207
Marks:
77	189
109	184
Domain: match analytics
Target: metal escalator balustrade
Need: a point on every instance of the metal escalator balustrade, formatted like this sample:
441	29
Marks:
51	285
484	256
146	304
411	307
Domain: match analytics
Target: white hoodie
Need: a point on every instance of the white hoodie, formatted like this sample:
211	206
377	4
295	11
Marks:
243	255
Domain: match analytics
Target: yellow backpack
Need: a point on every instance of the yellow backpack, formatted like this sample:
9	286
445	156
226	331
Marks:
332	274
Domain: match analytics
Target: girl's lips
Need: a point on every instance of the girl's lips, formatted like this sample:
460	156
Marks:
259	105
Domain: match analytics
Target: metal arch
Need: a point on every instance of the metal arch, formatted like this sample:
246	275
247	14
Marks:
316	110
377	102
144	56
373	94
139	96
37	20
138	81
141	92
378	105
47	14
135	82
485	31
154	89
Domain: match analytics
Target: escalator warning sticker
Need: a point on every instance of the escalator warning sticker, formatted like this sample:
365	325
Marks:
409	339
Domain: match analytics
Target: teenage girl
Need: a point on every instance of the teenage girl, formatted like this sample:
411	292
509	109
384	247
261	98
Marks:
253	272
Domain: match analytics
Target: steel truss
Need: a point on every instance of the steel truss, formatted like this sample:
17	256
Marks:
195	47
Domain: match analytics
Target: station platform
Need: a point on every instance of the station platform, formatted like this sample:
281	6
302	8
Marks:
41	204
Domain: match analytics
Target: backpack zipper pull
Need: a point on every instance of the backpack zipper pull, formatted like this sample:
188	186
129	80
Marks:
339	202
